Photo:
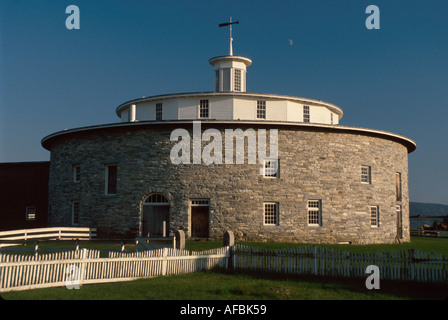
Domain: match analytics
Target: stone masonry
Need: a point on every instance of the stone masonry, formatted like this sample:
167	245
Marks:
316	163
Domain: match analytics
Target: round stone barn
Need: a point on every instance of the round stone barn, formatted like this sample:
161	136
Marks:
267	167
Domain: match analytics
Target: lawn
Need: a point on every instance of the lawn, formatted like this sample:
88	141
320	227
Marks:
439	245
241	286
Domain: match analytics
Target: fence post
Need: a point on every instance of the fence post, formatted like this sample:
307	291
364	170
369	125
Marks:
36	249
229	241
83	266
164	261
314	254
180	239
412	264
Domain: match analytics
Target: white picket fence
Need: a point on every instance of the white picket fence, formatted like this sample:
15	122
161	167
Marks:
19	272
22	272
404	265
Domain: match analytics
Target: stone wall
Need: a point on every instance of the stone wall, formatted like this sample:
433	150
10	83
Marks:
315	164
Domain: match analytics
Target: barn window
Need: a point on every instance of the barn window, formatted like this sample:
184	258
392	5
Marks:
237	80
31	213
306	114
111	179
159	109
200	202
203	109
261	109
226	79
271	213
366	174
217	81
399	213
374	216
271	168
314	213
156	198
76	173
75	213
398	186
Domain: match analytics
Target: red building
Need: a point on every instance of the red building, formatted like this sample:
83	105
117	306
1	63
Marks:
24	195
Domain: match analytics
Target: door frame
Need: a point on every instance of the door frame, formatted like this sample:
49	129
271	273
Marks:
198	202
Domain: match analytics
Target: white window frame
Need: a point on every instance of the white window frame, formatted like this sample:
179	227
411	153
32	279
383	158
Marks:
75	212
159	111
366	174
76	172
156	199
28	215
261	109
237	83
272	220
314	207
374	216
200	202
270	171
306	114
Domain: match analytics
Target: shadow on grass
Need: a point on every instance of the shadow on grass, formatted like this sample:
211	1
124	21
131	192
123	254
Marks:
399	289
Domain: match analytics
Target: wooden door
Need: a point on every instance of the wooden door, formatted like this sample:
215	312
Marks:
153	218
200	222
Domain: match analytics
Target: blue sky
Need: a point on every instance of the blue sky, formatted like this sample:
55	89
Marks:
393	79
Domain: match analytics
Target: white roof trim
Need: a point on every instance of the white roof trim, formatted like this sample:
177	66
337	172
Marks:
409	143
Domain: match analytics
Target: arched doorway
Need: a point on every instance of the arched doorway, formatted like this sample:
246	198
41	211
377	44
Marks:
155	216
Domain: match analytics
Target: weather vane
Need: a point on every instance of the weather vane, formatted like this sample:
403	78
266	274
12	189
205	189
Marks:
230	39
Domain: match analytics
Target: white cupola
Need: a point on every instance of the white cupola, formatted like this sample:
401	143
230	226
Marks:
230	70
230	73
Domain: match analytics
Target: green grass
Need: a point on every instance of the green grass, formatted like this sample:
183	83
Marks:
242	286
439	245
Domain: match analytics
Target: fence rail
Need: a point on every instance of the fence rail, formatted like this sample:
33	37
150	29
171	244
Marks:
405	265
86	267
7	238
